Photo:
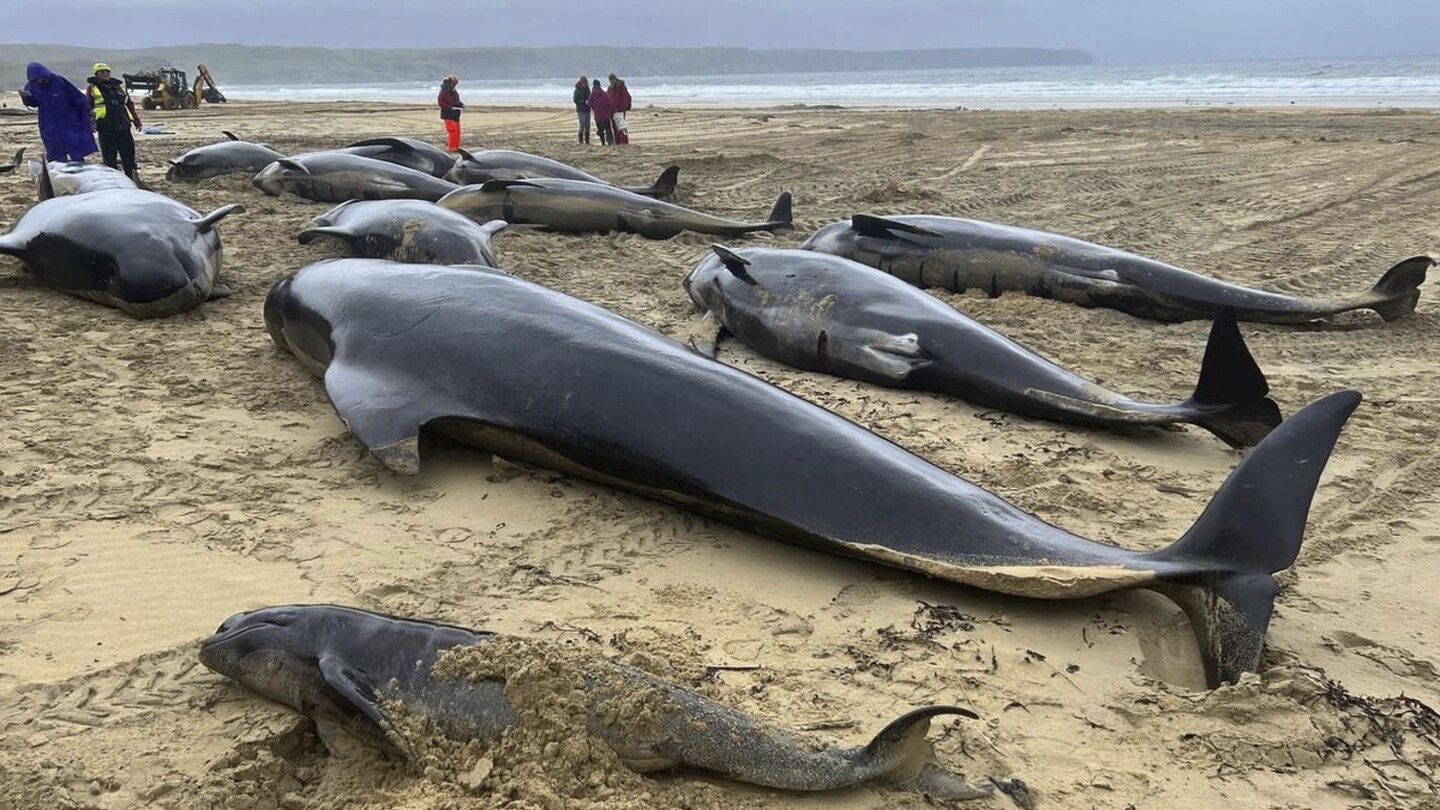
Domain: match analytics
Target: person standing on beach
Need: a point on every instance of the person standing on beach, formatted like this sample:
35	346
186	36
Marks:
114	114
582	108
450	107
64	118
620	100
602	108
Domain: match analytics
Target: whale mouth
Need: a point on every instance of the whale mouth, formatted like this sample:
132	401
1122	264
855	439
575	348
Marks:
230	635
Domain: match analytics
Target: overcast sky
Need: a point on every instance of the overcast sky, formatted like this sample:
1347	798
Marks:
1115	31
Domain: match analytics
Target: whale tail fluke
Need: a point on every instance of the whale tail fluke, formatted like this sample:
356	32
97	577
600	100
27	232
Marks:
1219	572
1232	394
1398	291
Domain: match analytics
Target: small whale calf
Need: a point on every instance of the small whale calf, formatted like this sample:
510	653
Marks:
824	313
966	254
412	231
346	669
231	156
507	164
341	176
576	206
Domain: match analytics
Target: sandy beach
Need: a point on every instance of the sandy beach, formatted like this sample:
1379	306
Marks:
158	476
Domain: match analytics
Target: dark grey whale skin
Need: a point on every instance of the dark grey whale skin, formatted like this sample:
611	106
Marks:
508	164
231	156
412	231
342	666
535	375
409	152
140	252
966	254
575	206
825	313
340	176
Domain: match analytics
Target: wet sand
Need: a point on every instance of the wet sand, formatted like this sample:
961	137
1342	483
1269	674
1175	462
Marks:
157	476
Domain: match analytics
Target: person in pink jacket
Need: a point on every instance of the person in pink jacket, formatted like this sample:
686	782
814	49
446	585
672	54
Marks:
604	111
620	99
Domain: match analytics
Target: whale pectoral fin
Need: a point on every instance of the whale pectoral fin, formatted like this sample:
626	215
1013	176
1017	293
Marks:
892	356
12	245
14	164
208	221
705	333
380	412
735	263
218	291
355	688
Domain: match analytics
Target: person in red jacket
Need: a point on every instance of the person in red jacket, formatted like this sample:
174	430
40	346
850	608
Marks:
620	100
450	107
604	113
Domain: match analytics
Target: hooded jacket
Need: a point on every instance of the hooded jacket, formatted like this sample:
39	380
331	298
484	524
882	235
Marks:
64	113
600	103
620	96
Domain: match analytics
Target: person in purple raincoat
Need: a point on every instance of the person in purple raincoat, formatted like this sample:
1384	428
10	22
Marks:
65	124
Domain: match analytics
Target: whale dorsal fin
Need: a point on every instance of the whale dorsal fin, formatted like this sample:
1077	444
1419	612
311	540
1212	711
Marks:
395	142
868	225
735	263
232	136
501	185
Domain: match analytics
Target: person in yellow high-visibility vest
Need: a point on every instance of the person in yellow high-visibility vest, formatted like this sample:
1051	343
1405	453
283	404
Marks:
114	115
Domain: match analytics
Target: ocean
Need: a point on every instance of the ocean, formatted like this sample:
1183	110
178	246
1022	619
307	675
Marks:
1398	82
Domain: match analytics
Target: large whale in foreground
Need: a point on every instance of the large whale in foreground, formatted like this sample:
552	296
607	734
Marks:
534	375
824	313
346	668
575	206
508	164
967	254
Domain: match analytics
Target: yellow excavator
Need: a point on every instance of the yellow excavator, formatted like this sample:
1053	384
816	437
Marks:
167	88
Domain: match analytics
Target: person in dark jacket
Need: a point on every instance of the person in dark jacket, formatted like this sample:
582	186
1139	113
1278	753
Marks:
450	107
114	114
582	108
64	114
620	100
602	108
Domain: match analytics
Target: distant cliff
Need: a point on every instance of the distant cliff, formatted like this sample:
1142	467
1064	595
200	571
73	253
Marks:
249	64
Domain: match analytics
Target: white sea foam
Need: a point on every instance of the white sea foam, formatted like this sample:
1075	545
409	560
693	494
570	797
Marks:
1409	82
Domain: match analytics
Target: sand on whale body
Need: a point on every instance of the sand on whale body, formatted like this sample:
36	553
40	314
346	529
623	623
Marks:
156	477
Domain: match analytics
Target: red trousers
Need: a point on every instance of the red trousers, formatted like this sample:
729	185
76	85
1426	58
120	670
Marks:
452	131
